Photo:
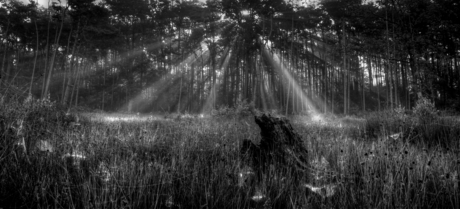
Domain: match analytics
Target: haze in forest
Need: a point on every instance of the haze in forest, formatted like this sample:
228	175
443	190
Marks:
339	57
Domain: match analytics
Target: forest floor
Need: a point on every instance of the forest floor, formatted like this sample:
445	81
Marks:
193	161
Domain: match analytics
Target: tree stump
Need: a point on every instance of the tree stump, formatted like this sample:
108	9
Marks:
279	146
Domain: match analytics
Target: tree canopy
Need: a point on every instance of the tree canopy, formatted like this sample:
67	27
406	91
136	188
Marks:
337	56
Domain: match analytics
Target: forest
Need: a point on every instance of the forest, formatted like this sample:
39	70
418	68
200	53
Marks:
229	103
333	56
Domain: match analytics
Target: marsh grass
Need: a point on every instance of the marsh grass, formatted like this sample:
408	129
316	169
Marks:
193	162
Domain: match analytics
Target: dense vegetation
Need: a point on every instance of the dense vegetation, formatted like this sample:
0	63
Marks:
49	158
339	56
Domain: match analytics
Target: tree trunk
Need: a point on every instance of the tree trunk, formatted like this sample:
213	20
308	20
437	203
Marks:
379	81
344	70
369	70
50	71
2	70
71	74
35	60
363	89
66	76
388	72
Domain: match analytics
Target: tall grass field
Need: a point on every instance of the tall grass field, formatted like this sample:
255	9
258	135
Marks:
54	158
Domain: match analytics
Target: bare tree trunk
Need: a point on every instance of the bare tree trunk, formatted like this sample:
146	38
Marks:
47	48
363	88
2	70
291	67
71	73
369	70
75	81
78	81
404	83
395	83
350	62
3	73
379	80
388	71
325	79
66	77
56	43
35	60
180	94
344	70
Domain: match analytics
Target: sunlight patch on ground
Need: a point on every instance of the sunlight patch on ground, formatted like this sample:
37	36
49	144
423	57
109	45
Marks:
317	118
329	120
323	191
258	196
136	117
245	175
74	159
128	118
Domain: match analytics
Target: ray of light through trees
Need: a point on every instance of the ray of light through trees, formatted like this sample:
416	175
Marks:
330	56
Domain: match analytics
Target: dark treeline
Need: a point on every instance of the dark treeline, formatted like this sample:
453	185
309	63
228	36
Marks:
339	56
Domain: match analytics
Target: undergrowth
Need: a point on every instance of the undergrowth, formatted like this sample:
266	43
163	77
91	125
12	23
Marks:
423	126
194	162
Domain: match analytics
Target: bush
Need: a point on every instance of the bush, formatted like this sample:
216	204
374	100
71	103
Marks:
33	120
386	122
424	126
442	132
424	110
24	121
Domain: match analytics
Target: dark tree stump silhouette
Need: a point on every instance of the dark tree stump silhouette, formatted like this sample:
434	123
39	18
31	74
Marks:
280	146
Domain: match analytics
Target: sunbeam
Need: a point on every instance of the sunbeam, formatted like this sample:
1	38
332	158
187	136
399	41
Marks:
297	91
168	93
162	92
209	105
